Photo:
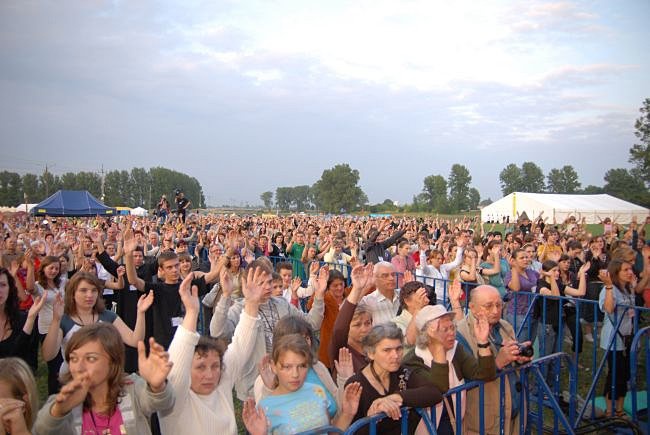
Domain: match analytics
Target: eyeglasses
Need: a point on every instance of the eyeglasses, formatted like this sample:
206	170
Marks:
492	305
448	329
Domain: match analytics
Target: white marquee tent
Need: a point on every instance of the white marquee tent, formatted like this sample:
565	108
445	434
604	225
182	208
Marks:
559	207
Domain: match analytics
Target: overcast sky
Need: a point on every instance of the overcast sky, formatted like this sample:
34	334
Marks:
251	95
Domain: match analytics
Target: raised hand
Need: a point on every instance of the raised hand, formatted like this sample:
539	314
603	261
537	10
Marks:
57	306
584	268
344	367
351	397
130	243
313	267
39	301
295	284
189	294
408	276
225	281
481	329
71	395
362	276
266	372
321	281
455	291
155	367
254	418
121	271
145	302
253	287
603	275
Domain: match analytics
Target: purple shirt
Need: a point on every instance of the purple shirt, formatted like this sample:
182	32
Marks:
526	284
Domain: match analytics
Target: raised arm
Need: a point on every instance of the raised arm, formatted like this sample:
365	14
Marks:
129	336
52	342
129	246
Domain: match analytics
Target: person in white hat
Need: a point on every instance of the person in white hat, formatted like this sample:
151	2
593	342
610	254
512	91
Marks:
438	356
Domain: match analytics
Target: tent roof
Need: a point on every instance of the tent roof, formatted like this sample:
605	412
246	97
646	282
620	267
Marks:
576	201
72	203
561	206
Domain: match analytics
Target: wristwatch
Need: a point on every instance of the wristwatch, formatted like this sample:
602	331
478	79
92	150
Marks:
483	345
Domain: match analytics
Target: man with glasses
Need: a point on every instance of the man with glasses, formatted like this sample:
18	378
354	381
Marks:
485	301
384	301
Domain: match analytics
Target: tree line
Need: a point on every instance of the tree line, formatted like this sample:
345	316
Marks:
338	189
138	187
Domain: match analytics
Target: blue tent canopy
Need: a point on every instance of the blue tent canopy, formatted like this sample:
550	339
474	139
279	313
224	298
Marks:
72	203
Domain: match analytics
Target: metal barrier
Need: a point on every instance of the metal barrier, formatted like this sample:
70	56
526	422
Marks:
642	334
522	373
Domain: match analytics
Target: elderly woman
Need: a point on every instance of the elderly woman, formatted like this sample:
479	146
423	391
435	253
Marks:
438	358
387	385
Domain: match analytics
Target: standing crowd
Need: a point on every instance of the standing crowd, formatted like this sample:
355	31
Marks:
148	325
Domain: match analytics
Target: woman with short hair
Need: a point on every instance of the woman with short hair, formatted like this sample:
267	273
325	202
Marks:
387	385
439	357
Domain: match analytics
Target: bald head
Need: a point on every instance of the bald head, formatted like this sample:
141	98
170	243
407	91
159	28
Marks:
485	300
483	292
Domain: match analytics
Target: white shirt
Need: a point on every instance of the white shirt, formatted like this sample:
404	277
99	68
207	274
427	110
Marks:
383	309
436	278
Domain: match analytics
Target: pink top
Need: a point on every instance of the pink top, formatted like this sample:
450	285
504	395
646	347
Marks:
100	424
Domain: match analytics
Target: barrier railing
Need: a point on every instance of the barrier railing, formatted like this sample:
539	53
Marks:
521	373
642	334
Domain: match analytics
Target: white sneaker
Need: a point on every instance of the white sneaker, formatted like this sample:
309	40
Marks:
589	338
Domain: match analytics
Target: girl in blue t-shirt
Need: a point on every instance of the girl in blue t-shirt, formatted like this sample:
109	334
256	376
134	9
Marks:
295	405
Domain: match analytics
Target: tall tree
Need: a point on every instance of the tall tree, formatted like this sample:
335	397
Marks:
435	192
338	190
640	153
90	181
301	197
459	181
10	189
117	189
69	181
140	181
564	180
267	199
624	184
284	197
532	178
30	188
474	198
48	183
510	179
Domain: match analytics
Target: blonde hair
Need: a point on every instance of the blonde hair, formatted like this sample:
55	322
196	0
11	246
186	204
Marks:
18	376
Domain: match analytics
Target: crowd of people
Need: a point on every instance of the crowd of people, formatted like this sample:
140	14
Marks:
148	325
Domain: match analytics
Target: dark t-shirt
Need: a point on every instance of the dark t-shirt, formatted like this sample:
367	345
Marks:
167	310
552	315
181	203
416	391
21	345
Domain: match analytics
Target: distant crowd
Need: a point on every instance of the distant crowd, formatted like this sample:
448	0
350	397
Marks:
148	324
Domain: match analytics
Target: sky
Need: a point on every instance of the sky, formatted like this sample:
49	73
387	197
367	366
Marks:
250	95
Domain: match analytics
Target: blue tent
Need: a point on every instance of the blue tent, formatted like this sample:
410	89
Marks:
72	203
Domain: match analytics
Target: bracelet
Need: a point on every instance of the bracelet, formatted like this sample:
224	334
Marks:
483	345
608	288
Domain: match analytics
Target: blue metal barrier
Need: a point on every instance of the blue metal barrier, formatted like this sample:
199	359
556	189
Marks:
429	417
636	346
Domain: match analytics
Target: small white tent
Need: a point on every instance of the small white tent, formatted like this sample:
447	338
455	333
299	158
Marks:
139	211
558	207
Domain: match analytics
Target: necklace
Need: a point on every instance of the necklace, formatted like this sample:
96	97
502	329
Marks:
377	378
106	431
82	323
